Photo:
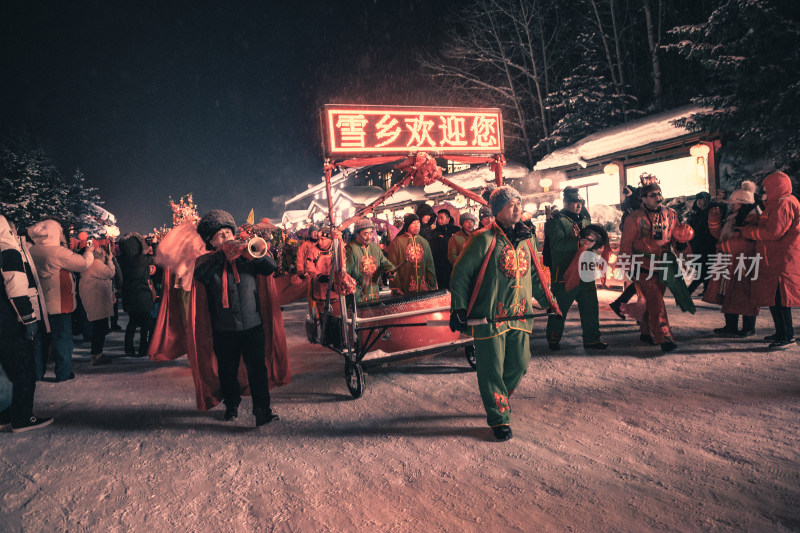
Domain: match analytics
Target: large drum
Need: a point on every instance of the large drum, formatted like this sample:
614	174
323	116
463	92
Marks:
398	338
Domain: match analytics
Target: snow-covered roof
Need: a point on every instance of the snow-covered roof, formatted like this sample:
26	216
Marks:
634	134
294	215
312	190
405	195
360	195
476	177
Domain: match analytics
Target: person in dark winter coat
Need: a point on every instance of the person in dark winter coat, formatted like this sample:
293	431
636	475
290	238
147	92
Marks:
777	239
426	219
563	238
236	321
440	239
137	290
703	244
22	313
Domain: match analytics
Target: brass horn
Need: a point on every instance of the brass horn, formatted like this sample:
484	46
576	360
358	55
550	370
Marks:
256	248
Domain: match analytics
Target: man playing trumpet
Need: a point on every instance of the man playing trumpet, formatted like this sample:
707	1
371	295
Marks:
229	276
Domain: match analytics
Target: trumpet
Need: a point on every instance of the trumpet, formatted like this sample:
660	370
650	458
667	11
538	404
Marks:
253	248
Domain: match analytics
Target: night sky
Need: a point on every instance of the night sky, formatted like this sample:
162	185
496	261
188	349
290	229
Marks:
158	99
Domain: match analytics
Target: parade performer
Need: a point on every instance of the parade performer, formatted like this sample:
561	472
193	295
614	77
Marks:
319	270
307	255
732	288
365	261
208	322
777	239
459	240
649	246
492	279
306	251
412	255
563	238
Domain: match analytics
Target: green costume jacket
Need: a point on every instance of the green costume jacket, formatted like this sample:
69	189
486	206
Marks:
455	245
563	234
509	283
364	263
418	274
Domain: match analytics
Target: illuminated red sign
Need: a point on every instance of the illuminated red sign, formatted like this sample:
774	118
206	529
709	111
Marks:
350	130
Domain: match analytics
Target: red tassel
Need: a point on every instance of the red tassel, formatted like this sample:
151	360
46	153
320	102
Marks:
225	303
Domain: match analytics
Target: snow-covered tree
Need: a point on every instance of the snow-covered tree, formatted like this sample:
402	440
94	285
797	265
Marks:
80	202
31	188
30	185
501	53
586	101
749	50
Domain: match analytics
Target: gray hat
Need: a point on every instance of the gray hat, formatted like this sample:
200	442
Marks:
212	222
501	196
363	224
467	216
484	212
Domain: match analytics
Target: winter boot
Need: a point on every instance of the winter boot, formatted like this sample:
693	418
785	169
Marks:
731	326
502	432
748	326
264	416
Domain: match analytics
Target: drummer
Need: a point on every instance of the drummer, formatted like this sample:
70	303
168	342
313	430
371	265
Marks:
494	272
364	261
412	255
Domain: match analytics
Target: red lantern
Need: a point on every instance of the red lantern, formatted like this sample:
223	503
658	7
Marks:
683	233
83	236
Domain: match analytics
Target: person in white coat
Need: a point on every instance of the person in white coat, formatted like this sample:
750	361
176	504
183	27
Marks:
97	295
56	264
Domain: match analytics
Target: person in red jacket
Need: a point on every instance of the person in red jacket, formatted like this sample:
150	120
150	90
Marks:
649	243
731	287
777	237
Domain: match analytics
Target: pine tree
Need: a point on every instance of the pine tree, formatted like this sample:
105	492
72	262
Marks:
30	185
80	205
587	101
749	50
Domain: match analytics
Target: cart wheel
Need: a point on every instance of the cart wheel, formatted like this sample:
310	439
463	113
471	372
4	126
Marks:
354	376
469	351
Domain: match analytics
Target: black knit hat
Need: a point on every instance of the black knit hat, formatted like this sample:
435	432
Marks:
484	212
212	222
407	220
424	209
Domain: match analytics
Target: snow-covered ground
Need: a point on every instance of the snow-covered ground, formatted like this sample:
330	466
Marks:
705	438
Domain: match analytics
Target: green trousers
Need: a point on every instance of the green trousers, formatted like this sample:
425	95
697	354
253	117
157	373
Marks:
586	296
502	361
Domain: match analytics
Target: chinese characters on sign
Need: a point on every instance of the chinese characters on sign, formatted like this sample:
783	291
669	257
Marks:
386	130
